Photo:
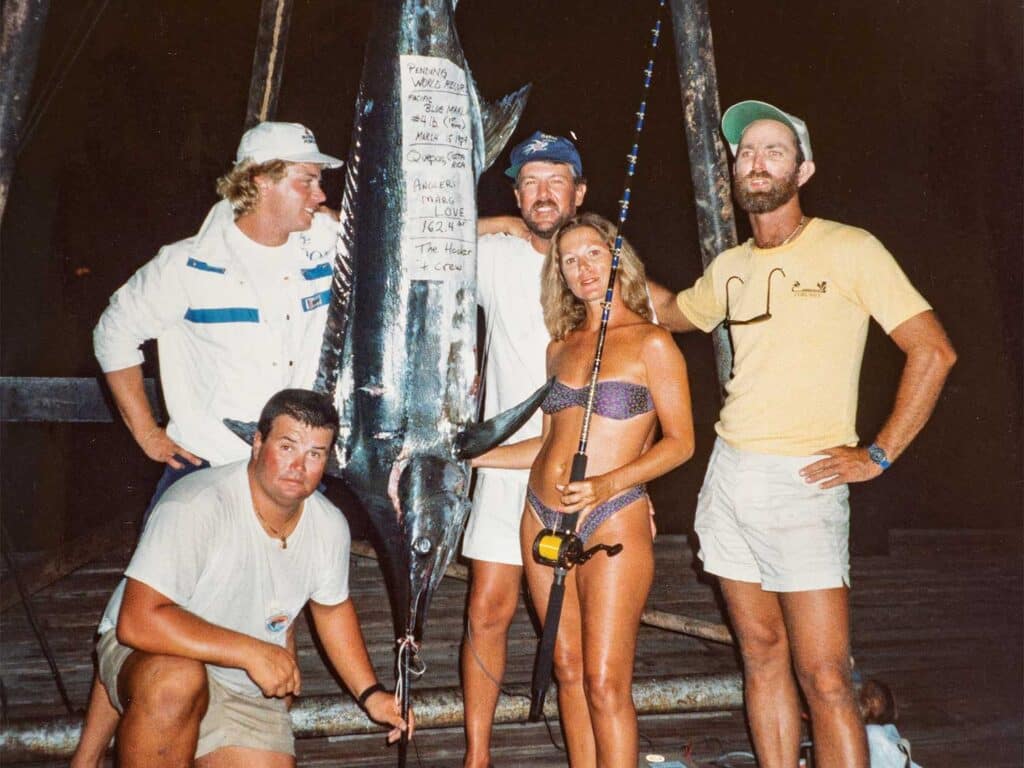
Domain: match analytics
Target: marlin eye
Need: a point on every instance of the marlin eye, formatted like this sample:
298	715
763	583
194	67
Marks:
422	546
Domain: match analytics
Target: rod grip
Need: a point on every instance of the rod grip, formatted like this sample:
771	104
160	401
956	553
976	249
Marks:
579	467
546	648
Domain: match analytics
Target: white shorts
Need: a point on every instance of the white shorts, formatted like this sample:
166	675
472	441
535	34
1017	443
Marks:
492	533
758	521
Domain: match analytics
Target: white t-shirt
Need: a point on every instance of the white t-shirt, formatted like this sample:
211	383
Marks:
508	290
205	549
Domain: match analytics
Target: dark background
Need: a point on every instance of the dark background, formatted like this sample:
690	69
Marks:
915	114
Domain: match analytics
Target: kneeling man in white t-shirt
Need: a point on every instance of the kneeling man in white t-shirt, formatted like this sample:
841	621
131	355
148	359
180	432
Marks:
196	646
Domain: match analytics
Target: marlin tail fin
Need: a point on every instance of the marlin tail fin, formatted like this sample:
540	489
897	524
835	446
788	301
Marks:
500	120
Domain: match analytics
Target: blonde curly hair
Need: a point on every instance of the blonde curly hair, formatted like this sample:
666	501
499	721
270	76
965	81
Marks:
563	312
238	186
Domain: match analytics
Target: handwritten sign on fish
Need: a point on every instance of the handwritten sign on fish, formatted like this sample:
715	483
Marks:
439	242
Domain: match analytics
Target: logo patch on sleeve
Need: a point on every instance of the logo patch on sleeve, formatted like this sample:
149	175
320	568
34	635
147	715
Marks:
321	299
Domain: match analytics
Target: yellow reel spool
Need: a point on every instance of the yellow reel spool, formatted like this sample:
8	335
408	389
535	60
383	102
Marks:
557	548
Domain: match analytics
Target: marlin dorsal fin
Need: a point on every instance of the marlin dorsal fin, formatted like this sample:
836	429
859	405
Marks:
478	438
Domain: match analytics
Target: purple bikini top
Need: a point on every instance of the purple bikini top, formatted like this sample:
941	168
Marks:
613	399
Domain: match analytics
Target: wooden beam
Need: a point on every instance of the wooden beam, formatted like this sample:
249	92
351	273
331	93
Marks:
72	400
268	61
22	31
709	164
339	716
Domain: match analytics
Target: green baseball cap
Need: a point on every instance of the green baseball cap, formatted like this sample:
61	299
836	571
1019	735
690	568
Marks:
739	116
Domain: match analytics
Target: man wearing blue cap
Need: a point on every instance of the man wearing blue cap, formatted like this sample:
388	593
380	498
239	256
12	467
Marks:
238	312
773	514
549	185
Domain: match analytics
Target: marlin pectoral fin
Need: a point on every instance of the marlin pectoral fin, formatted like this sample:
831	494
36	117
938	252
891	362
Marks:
244	429
499	122
477	439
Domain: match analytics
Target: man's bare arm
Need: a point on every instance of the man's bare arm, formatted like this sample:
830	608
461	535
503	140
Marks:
667	310
502	225
342	639
930	356
129	392
153	623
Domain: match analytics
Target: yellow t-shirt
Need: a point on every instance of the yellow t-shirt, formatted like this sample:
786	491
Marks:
794	388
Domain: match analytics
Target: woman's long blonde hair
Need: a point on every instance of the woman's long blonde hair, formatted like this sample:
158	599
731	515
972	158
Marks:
563	312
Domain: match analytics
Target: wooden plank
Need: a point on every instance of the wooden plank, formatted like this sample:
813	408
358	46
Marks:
951	650
70	558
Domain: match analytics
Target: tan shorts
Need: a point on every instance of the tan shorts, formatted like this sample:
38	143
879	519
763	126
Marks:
231	720
758	521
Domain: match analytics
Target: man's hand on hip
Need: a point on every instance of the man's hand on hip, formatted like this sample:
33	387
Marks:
841	465
159	447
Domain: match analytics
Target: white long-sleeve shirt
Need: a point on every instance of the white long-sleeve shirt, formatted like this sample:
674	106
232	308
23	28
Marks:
234	321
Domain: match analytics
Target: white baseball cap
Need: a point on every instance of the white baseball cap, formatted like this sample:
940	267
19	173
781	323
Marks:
291	142
739	116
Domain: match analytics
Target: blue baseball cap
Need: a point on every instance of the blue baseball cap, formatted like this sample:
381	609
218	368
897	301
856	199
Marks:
546	148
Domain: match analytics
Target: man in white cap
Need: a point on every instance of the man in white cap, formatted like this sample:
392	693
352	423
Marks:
238	312
773	514
237	309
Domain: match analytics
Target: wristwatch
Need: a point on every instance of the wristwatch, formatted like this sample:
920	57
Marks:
877	454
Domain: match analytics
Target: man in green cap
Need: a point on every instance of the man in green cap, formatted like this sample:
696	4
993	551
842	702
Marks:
773	513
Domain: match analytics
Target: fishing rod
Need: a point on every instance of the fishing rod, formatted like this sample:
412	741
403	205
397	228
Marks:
560	547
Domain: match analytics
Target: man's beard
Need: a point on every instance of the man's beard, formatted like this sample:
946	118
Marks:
765	201
546	231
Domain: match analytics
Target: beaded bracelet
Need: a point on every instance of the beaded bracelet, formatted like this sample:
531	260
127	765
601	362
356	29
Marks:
361	699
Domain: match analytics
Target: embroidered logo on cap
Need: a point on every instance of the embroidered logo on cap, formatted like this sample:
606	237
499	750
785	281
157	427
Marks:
539	144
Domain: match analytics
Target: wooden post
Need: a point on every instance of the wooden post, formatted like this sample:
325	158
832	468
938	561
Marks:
709	164
268	61
23	22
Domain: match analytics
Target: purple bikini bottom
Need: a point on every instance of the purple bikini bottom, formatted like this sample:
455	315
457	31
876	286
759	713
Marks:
551	517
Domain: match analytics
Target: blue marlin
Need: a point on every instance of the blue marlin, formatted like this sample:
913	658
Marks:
399	352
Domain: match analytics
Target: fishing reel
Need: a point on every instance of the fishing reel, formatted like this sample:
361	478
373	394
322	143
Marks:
564	549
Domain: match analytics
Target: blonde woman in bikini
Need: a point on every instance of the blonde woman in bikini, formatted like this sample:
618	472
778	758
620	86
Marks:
642	385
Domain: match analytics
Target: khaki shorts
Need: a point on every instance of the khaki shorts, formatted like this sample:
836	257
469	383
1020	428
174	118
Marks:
231	720
758	521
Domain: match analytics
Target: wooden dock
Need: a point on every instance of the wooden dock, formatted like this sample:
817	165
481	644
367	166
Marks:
939	619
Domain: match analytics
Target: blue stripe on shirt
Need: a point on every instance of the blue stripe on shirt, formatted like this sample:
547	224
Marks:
223	315
203	266
315	273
